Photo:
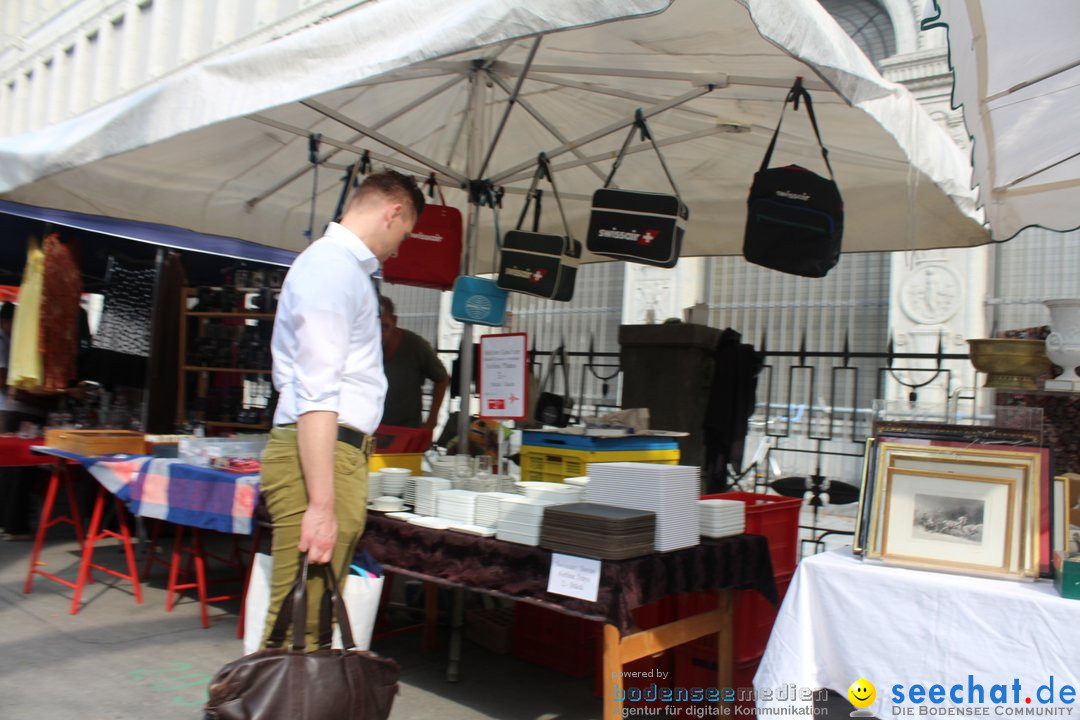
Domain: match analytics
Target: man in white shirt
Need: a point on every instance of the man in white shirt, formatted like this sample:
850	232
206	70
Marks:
328	371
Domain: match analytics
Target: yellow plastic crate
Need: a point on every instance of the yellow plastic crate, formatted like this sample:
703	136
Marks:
413	461
547	464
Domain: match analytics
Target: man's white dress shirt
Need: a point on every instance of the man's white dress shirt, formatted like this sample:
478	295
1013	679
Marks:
327	344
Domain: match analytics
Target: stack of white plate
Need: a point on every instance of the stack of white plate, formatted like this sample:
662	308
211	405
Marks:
374	485
427	489
409	494
393	480
487	507
555	493
458	506
520	519
670	491
720	518
443	466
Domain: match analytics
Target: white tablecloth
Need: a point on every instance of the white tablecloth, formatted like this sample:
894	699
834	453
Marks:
844	619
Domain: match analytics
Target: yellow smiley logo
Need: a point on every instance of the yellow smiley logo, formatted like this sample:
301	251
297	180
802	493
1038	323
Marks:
861	693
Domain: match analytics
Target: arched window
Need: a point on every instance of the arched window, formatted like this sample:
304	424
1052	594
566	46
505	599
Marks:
869	25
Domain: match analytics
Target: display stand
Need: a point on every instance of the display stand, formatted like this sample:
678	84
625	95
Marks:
221	347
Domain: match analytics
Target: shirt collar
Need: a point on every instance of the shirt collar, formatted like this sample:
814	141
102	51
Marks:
341	235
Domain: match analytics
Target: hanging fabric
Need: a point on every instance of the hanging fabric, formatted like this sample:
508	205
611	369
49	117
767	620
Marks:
25	368
126	312
640	227
59	330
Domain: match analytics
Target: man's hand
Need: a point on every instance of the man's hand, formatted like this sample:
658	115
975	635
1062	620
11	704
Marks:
318	534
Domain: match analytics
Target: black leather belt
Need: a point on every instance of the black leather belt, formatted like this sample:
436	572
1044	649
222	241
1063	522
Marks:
349	436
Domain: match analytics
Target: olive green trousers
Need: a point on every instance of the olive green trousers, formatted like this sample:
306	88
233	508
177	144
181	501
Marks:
282	486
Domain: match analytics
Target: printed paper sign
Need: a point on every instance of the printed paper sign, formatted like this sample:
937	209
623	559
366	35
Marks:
503	363
574	577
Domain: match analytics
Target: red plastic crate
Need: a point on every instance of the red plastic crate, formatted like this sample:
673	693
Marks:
694	671
775	517
753	617
555	640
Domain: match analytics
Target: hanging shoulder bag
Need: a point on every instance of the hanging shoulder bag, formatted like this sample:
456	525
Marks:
795	218
431	256
537	263
288	683
552	408
640	227
478	300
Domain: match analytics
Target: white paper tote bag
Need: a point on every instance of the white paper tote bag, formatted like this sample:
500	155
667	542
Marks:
361	596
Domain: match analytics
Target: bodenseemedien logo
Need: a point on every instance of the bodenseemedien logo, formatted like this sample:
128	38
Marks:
862	694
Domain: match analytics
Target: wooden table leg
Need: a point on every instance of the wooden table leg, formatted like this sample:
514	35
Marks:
611	667
457	619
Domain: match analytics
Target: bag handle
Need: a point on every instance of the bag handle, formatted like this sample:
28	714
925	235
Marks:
558	357
543	170
797	91
294	610
640	126
433	185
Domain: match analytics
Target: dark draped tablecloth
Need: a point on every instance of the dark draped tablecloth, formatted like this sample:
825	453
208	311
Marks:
520	572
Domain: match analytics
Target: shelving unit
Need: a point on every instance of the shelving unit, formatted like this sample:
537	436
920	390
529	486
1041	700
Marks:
219	350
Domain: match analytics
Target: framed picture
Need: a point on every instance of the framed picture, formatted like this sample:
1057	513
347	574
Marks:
1027	465
1062	538
1070	512
866	493
1022	467
943	520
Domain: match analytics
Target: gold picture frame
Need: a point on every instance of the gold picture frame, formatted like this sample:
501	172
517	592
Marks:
946	462
948	521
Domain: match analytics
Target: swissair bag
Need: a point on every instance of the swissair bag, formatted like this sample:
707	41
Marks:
795	218
478	300
538	263
431	256
641	227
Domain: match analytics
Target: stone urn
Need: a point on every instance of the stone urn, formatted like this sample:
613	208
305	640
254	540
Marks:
1063	342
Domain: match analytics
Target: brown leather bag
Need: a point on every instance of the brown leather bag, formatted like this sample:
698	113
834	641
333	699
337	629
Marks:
281	683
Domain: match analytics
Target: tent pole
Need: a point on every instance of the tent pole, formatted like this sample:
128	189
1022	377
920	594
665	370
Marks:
473	159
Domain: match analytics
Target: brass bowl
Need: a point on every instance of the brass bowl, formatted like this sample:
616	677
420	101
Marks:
1010	362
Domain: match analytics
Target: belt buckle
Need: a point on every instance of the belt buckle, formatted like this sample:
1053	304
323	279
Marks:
368	445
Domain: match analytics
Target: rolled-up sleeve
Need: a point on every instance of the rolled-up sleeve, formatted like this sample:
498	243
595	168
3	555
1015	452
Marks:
322	322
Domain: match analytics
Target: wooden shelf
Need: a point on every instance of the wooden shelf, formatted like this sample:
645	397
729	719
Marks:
239	315
246	371
222	423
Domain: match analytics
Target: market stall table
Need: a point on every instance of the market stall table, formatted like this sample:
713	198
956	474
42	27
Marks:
843	620
190	496
520	572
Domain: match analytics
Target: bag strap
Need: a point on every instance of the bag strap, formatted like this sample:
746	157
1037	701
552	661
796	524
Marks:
640	126
557	357
294	610
797	91
433	185
543	170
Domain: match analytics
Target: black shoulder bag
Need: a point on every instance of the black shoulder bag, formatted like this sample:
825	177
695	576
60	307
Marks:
537	263
641	227
551	408
795	218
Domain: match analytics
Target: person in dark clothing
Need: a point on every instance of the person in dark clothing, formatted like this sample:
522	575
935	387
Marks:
408	361
732	397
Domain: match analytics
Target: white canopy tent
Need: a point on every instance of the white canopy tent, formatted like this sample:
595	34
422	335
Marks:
1017	77
426	85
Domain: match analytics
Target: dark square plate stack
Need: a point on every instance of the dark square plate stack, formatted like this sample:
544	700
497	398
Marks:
598	531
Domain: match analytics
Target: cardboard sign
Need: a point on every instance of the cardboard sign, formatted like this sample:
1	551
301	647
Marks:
574	577
504	361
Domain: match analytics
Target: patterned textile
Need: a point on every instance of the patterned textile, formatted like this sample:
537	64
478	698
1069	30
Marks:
59	333
127	310
173	491
520	572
